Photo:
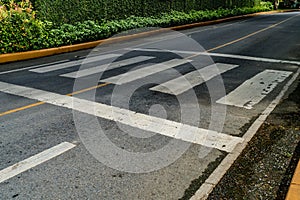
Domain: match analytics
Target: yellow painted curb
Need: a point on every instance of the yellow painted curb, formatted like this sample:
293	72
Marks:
294	190
12	57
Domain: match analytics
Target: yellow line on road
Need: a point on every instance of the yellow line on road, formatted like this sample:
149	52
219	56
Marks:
246	36
105	84
21	108
88	89
41	103
251	34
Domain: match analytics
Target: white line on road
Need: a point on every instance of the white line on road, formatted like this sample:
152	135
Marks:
255	89
215	177
146	71
109	66
259	59
33	67
165	127
188	81
195	53
35	160
163	50
73	63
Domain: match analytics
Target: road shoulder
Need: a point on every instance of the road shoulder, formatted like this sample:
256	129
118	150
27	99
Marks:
265	168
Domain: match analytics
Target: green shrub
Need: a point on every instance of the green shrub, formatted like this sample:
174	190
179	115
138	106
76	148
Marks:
21	31
267	4
72	11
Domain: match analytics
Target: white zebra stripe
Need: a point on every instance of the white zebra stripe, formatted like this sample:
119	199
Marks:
35	160
255	89
146	71
141	121
72	63
188	81
102	68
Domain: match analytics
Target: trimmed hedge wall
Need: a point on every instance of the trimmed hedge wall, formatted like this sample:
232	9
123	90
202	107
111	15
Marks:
71	11
21	31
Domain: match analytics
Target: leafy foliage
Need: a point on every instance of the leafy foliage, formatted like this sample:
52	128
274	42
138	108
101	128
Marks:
21	31
72	11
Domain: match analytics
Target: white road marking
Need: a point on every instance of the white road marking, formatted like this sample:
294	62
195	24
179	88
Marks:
163	50
102	68
195	53
165	127
259	59
35	160
73	63
188	81
215	177
146	71
33	67
255	89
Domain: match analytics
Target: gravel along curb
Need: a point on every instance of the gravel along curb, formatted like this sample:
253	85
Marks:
12	57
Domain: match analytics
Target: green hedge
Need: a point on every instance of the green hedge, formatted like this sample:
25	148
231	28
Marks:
21	31
72	11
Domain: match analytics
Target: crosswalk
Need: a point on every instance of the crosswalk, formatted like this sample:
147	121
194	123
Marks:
147	71
145	122
73	63
243	96
248	94
255	89
102	68
184	83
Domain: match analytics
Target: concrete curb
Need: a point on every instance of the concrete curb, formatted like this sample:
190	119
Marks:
12	57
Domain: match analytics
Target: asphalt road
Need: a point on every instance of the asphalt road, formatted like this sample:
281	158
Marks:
155	123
